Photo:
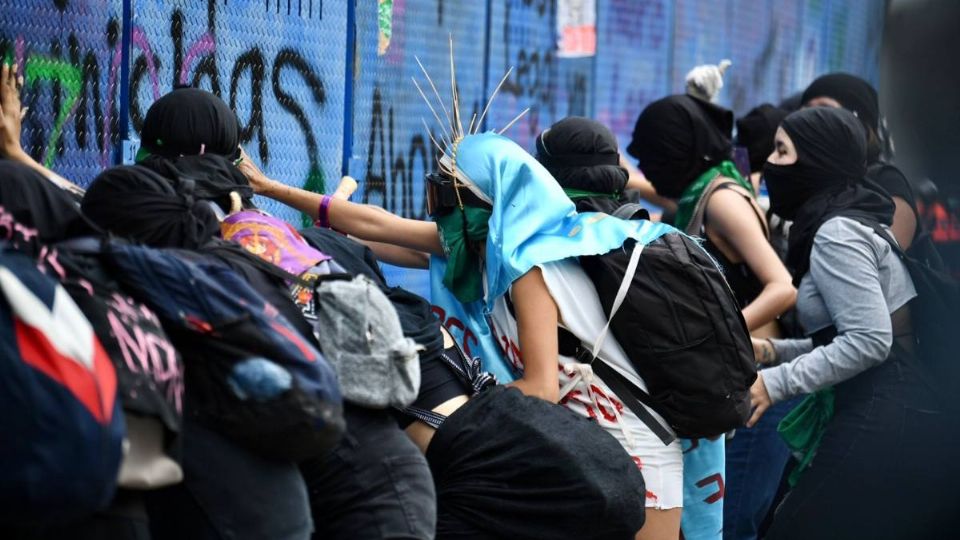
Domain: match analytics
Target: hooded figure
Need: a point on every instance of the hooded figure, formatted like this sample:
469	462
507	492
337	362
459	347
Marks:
679	137
542	221
135	202
214	178
189	121
755	131
859	365
826	181
582	156
683	144
852	93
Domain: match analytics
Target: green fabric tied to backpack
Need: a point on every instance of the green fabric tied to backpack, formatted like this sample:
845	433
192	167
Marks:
803	428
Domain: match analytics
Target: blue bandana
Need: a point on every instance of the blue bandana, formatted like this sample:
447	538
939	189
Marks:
533	223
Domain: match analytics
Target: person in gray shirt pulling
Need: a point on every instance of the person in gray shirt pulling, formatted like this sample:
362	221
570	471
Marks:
873	468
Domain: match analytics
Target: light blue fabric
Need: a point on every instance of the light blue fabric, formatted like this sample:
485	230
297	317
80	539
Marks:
468	325
703	488
533	222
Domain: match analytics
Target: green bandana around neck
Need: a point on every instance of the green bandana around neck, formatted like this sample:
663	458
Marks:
464	275
691	196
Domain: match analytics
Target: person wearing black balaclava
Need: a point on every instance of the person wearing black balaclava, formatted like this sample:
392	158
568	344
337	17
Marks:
683	145
868	467
859	97
581	154
755	133
226	492
189	121
355	492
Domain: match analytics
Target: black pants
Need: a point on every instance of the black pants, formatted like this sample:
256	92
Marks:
884	467
375	485
229	493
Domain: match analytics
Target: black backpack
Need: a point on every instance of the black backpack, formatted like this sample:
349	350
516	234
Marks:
682	329
935	314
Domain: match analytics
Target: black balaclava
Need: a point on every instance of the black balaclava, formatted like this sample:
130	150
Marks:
34	212
755	131
851	92
826	181
190	121
582	154
136	203
214	177
679	137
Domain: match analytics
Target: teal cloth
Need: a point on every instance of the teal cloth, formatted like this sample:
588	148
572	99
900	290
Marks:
533	222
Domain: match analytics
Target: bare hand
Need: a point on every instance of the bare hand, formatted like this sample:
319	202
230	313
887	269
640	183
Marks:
763	351
11	115
759	400
258	181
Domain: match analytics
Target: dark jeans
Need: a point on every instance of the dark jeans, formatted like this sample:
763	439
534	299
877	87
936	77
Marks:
884	468
229	493
375	485
756	458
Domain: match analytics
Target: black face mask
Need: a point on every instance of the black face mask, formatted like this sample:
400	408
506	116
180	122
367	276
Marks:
790	186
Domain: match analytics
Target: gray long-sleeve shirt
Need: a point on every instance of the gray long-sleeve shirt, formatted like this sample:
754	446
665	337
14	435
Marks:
855	282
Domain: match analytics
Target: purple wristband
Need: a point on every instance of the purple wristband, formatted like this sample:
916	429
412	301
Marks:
323	218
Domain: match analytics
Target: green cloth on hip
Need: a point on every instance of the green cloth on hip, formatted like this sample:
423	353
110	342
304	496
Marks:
803	428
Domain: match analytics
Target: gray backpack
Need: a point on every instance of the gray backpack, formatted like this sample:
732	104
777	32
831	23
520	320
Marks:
360	334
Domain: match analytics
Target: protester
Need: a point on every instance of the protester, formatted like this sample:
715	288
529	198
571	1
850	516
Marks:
755	133
136	203
859	97
492	169
375	463
684	148
868	407
582	156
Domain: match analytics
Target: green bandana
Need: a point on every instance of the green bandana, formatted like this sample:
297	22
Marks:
804	426
575	194
691	196
464	275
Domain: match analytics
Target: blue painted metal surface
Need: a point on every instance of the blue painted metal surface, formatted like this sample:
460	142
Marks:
313	106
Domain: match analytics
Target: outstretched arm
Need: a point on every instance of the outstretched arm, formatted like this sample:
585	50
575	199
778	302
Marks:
363	221
11	120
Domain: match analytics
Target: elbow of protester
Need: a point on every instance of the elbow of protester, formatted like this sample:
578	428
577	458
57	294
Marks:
784	295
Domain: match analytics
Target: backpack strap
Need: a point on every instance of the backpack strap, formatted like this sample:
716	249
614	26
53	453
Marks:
630	211
630	394
469	372
699	218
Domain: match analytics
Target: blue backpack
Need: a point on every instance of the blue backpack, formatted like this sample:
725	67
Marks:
249	374
61	425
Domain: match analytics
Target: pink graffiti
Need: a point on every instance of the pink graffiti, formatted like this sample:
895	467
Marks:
139	39
204	45
150	355
11	226
50	256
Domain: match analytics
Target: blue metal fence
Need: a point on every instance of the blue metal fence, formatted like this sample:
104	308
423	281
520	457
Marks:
317	99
